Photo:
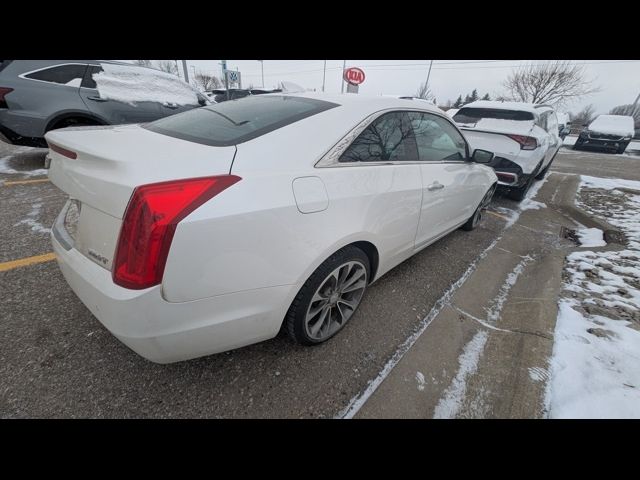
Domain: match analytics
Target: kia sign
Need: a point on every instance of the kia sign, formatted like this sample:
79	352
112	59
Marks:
354	76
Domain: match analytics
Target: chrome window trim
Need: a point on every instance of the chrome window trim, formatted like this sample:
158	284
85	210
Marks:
24	77
331	158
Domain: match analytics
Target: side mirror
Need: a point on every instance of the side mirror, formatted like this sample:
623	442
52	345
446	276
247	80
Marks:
482	156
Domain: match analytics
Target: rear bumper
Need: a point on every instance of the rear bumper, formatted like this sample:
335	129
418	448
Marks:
166	332
8	135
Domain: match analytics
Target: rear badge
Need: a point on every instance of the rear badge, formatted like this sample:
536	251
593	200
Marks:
97	257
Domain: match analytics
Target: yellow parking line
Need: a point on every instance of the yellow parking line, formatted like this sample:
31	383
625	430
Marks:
498	215
25	182
25	262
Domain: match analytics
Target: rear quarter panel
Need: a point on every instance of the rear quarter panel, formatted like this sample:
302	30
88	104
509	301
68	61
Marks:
255	234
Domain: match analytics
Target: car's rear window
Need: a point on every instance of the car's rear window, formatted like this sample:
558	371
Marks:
237	121
473	115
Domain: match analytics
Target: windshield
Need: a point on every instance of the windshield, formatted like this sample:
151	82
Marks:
237	121
473	115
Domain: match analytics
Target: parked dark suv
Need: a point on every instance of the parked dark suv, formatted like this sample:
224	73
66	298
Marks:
41	95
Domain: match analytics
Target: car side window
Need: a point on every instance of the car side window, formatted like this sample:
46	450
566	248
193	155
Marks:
552	123
88	81
437	139
542	121
389	138
61	74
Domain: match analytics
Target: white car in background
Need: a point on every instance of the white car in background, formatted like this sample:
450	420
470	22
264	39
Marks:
452	111
608	132
209	230
523	136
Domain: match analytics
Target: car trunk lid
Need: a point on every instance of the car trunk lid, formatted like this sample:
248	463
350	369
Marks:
109	163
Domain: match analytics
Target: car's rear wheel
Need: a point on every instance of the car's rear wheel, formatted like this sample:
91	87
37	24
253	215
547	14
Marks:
476	218
329	298
74	122
622	148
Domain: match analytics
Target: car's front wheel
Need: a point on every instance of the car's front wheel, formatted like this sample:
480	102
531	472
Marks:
329	298
476	218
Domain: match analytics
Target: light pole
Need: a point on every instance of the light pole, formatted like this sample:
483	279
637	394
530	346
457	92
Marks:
324	74
262	65
429	74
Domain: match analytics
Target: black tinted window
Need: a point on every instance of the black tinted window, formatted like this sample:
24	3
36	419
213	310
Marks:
237	121
88	81
436	138
472	115
388	138
63	74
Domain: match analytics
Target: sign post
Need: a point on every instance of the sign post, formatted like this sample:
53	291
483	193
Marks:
354	76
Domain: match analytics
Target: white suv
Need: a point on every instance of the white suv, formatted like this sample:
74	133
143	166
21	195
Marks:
523	136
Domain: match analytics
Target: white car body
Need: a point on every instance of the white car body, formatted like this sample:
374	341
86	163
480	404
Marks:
514	162
236	263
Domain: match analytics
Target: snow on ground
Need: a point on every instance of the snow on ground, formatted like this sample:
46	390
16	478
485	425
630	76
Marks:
594	368
591	237
449	405
131	85
5	166
31	219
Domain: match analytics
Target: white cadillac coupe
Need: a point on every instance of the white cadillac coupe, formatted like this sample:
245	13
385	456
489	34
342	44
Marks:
212	229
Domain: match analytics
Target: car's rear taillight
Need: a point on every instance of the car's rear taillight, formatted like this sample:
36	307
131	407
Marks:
150	221
3	92
526	143
63	151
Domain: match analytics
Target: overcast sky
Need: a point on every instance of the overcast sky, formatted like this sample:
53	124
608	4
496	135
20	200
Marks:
618	79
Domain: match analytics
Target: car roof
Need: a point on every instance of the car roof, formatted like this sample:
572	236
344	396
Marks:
520	106
366	103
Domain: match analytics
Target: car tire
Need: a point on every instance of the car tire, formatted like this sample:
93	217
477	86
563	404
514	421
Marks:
329	297
577	145
622	148
476	218
518	194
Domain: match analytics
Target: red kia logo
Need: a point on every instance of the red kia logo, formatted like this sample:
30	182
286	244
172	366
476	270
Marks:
354	75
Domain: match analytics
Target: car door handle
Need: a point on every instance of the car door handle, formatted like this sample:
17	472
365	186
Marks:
435	186
97	99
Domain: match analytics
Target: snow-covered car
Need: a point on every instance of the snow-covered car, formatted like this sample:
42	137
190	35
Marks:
612	132
212	229
37	96
452	111
564	124
523	136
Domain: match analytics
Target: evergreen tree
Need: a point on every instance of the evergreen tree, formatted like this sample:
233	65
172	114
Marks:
458	102
467	99
474	95
486	97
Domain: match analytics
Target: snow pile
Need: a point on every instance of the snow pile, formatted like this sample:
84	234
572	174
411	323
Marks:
591	237
136	84
596	354
613	125
594	375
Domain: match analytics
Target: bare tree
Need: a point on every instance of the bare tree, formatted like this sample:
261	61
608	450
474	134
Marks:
168	66
631	112
584	116
207	82
144	63
424	92
557	82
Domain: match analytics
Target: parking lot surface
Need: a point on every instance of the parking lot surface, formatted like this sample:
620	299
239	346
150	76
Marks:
57	360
